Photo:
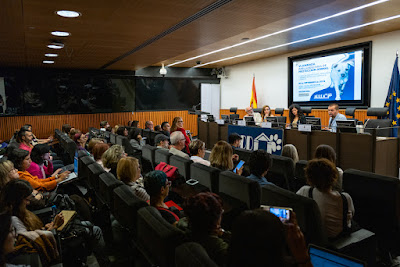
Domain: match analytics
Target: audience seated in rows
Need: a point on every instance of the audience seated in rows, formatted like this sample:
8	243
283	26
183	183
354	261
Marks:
40	155
111	157
177	125
98	151
136	140
259	238
178	144
27	225
259	164
122	130
7	172
73	132
234	140
157	186
80	140
222	157
166	128
321	175
7	237
198	151
66	129
104	125
149	125
157	128
204	212
36	141
24	139
327	152
290	151
21	160
128	171
94	141
161	141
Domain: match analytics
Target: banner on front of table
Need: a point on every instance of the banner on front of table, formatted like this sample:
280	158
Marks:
254	138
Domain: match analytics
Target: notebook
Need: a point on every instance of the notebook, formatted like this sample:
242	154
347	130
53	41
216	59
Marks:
325	257
68	216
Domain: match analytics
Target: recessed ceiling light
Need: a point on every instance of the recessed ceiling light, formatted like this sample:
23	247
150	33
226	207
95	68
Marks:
68	13
245	38
55	46
51	55
48	61
60	33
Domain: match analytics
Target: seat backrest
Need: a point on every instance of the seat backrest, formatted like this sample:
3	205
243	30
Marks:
94	172
113	138
82	153
182	164
156	237
107	184
126	144
281	172
152	138
57	134
148	153
244	154
192	254
161	155
119	139
71	149
241	188
376	200
379	123
300	175
126	206
206	175
306	209
146	133
83	164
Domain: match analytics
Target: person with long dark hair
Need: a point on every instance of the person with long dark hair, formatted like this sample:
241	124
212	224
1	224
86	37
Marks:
136	139
42	164
296	116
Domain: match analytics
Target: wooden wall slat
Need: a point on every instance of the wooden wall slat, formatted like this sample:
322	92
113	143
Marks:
43	126
360	114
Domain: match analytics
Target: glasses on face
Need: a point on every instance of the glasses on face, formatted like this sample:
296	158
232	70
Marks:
168	183
180	121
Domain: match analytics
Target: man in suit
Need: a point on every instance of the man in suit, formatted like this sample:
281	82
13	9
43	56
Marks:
333	111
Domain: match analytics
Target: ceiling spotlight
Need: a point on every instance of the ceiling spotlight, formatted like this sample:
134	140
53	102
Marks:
48	61
56	45
60	33
51	55
245	39
163	71
68	13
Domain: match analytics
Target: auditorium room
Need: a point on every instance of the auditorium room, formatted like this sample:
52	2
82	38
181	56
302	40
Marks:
199	133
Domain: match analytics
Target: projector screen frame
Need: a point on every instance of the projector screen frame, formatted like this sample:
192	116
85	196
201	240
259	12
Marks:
365	101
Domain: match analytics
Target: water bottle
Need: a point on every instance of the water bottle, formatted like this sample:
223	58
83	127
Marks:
360	127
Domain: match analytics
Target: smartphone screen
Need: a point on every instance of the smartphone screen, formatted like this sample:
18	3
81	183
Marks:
240	164
282	213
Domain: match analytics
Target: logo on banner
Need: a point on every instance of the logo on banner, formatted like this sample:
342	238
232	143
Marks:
272	143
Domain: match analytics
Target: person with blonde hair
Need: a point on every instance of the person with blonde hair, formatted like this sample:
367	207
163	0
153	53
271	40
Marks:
290	151
198	151
7	172
111	157
221	156
177	125
128	171
266	112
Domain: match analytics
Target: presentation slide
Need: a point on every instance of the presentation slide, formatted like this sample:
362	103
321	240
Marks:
328	78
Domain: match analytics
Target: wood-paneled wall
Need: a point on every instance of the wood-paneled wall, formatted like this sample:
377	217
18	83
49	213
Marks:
360	114
43	126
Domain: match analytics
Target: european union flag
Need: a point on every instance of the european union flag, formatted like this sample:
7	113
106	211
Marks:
393	98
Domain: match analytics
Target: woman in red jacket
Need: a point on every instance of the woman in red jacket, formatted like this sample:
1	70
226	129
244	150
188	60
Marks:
177	125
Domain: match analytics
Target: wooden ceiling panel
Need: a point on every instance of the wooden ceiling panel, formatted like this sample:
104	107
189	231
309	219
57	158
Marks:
116	33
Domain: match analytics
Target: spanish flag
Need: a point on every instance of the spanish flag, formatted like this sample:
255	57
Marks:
253	99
